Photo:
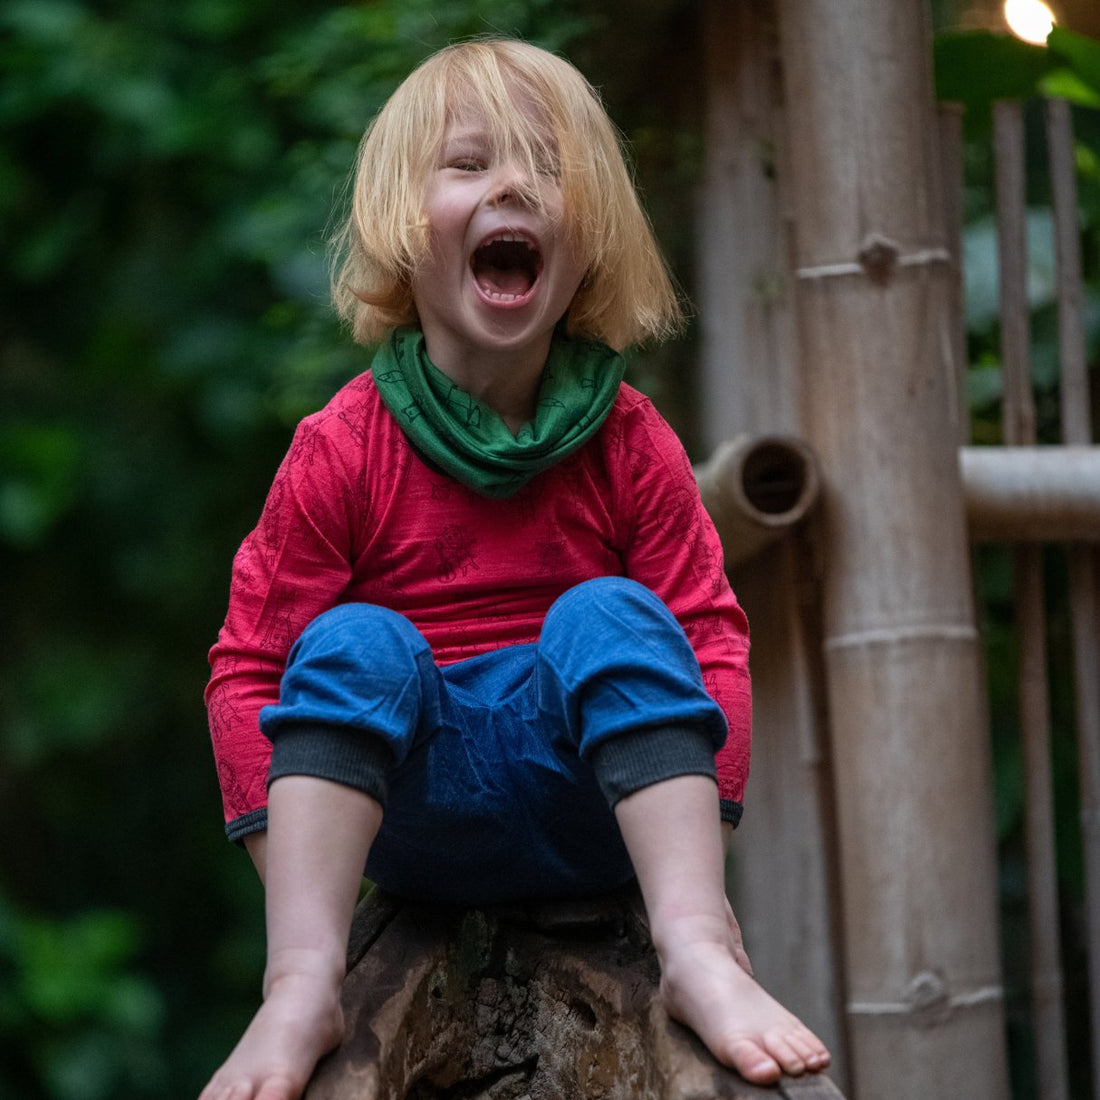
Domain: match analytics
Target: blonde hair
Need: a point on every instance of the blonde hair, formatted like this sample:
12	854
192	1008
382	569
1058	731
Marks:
626	295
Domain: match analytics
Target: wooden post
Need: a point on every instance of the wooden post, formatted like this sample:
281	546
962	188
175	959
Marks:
748	361
1018	415
904	668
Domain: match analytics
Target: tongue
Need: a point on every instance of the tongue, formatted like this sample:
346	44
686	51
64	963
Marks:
504	280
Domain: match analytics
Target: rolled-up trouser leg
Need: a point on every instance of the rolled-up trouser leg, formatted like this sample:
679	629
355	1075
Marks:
617	672
360	682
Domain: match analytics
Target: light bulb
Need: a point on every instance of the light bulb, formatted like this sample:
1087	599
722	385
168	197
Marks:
1030	20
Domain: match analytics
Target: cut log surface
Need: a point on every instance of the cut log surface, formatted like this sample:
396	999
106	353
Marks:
541	1002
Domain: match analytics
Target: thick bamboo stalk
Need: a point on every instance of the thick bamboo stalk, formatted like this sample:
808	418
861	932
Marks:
950	118
1084	562
1018	416
1032	494
903	662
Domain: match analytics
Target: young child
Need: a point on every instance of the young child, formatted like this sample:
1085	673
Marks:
483	623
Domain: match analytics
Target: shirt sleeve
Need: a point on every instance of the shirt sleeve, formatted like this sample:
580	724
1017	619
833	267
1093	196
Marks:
674	550
296	563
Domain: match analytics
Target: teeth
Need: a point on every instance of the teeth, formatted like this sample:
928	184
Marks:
509	238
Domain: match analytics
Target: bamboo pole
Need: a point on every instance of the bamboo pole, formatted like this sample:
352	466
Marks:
747	361
782	864
1018	417
903	662
1032	494
1084	562
950	120
756	489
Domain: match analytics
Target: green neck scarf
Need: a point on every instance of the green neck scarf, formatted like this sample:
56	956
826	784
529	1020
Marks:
469	440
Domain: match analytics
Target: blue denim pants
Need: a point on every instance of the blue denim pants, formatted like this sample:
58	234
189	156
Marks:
498	775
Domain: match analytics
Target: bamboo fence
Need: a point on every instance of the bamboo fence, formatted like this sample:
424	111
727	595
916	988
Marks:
830	258
1084	562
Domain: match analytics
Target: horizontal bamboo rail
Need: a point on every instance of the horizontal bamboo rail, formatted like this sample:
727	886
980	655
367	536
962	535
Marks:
1032	494
757	488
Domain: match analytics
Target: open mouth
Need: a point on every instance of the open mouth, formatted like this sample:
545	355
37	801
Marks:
506	267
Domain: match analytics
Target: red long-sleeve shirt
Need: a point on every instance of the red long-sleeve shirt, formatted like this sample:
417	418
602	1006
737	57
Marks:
354	515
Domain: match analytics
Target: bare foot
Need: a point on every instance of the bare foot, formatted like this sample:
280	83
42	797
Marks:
704	987
299	1021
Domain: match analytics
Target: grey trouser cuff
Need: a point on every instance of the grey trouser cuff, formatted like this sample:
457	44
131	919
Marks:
630	761
730	811
337	753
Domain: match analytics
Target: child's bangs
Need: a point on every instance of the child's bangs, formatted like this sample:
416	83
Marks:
518	126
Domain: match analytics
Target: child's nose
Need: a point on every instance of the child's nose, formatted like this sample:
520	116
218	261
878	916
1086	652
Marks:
511	183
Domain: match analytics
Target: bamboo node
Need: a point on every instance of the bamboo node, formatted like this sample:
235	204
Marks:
879	257
926	995
878	260
926	1001
918	633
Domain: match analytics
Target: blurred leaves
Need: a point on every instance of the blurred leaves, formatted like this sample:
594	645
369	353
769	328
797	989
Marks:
73	1013
976	68
39	466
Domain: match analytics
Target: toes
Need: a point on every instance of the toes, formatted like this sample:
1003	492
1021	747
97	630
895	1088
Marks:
797	1052
786	1053
753	1063
810	1049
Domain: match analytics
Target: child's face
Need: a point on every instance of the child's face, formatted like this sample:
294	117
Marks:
500	270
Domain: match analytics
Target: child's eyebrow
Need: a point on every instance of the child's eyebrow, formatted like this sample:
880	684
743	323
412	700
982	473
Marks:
469	142
466	135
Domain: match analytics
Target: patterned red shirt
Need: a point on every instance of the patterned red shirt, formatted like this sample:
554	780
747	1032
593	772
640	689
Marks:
354	515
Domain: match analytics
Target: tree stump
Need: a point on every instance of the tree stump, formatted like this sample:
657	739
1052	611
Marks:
536	1002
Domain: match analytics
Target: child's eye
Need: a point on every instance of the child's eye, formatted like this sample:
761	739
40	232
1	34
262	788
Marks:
467	164
547	167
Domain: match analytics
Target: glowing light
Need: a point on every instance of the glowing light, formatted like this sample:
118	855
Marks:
1030	20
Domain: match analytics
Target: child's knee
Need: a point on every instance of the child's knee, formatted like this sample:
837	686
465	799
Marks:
613	612
613	599
360	667
358	632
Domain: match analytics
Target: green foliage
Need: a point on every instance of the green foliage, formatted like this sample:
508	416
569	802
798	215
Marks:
976	68
73	1014
1079	79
